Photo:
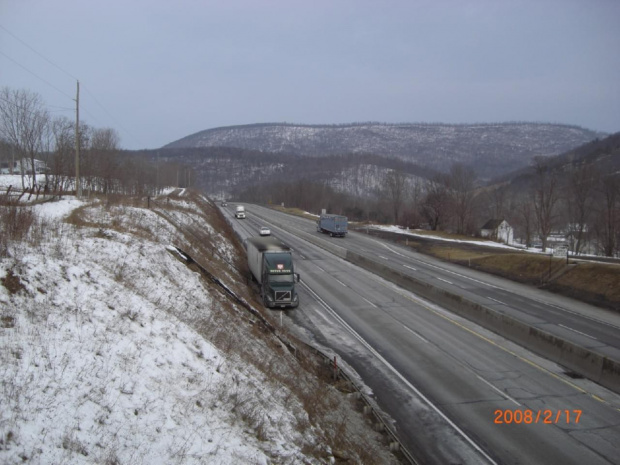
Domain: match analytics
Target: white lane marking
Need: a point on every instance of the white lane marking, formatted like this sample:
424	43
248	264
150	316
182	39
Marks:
369	302
457	274
575	313
498	301
399	375
498	287
341	282
578	332
320	268
445	281
385	258
502	393
415	333
410	267
611	325
390	249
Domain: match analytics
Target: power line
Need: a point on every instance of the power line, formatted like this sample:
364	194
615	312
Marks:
107	112
41	55
56	88
36	75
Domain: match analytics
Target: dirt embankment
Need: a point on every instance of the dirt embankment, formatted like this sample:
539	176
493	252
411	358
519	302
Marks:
591	282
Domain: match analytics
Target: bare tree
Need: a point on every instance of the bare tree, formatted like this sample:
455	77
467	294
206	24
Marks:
544	199
495	200
581	187
395	183
62	165
609	215
436	205
23	122
524	216
461	183
104	147
412	214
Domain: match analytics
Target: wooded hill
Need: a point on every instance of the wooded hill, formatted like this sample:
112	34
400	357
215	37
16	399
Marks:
490	149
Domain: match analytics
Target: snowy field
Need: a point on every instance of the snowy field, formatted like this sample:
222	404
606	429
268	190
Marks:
492	244
115	352
398	230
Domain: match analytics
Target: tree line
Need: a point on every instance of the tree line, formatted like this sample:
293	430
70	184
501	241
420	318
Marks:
42	150
576	203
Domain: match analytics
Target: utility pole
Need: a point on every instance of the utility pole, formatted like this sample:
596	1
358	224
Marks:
78	190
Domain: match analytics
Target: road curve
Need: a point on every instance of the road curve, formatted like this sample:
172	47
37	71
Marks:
452	388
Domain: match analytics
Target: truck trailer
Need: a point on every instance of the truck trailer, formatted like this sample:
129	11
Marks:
240	212
334	225
271	264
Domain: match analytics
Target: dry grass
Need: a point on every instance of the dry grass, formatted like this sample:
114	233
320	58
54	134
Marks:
15	224
325	418
597	283
301	377
523	267
294	211
594	283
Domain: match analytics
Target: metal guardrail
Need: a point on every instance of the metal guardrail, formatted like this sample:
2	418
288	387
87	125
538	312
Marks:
380	425
395	444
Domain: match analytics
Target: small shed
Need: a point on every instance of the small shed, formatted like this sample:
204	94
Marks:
498	230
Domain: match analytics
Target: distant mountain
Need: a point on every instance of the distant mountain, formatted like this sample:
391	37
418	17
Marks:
491	149
226	172
601	155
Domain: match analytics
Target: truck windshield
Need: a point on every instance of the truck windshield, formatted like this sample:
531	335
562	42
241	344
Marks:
281	278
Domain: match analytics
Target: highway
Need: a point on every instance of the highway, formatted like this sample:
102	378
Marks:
584	324
456	392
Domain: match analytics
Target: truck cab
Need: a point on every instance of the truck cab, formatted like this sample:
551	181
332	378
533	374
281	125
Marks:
279	280
240	212
271	264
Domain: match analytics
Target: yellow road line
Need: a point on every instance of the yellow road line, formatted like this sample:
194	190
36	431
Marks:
505	349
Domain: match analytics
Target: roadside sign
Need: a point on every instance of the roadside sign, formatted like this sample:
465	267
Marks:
560	251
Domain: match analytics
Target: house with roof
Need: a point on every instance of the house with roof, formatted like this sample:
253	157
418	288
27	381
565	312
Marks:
498	230
15	167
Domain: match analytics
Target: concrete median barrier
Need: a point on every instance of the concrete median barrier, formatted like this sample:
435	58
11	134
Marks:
581	360
578	359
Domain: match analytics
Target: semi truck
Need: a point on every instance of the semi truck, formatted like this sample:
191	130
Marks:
240	212
271	264
334	225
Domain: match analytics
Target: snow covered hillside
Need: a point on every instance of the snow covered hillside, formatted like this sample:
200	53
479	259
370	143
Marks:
494	149
114	351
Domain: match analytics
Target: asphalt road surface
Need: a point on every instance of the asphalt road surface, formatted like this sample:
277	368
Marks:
456	392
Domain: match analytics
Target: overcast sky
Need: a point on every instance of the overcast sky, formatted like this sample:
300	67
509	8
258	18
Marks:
158	70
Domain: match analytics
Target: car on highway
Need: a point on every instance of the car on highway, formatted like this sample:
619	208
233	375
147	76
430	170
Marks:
264	231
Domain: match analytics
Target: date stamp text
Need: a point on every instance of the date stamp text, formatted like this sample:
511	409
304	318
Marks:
528	417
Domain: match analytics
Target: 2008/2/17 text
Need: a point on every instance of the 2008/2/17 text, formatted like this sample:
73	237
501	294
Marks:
549	417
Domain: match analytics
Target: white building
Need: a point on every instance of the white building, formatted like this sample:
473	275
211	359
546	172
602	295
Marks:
498	230
40	167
